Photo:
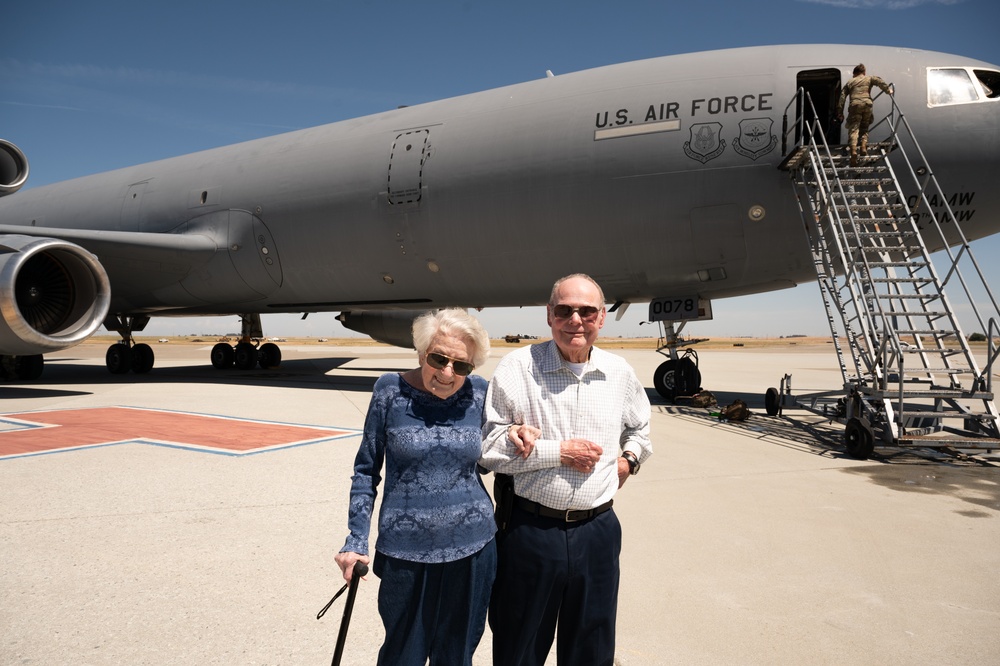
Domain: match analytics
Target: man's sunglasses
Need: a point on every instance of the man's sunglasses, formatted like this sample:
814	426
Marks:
440	362
586	312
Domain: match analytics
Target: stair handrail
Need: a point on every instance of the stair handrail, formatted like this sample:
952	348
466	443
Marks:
930	181
804	100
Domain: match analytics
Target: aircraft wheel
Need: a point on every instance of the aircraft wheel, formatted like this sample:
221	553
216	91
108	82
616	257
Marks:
687	377
663	379
118	358
143	358
269	355
772	402
29	368
859	439
223	356
245	356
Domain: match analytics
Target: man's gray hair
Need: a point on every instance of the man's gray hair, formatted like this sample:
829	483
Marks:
456	322
559	282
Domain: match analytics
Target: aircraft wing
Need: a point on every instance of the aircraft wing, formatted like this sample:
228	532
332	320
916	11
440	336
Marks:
150	260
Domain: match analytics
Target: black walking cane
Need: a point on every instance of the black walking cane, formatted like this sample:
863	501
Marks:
360	570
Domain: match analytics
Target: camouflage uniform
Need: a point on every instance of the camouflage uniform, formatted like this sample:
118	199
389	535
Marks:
859	113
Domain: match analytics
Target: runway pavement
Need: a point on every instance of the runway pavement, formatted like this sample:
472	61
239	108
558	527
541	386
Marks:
157	539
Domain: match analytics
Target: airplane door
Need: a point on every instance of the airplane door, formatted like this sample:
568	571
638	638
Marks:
823	87
406	166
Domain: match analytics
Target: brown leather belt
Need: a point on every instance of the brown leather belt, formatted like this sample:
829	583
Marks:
568	516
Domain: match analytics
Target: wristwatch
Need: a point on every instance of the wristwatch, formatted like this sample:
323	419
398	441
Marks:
633	462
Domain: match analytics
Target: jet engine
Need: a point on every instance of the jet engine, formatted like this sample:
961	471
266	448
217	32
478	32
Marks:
393	327
53	295
13	168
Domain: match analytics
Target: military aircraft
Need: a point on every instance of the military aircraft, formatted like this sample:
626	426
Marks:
657	177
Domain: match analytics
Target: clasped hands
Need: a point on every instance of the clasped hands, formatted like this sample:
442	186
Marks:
579	454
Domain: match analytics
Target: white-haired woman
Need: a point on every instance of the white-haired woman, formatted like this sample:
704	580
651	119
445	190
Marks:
435	553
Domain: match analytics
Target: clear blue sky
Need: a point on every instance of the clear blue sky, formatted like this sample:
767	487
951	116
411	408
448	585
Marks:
91	86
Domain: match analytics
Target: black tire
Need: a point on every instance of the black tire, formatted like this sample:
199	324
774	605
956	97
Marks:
859	439
772	402
687	377
223	356
676	378
245	356
663	379
28	368
143	358
118	358
269	355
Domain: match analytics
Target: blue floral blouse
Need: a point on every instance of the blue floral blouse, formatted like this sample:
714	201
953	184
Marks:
434	505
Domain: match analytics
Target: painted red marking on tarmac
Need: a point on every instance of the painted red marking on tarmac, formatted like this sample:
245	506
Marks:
33	433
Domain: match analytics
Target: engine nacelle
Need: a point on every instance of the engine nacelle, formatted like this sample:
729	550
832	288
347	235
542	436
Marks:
13	168
393	327
53	295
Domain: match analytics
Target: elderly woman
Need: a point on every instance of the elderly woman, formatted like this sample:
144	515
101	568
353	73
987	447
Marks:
435	553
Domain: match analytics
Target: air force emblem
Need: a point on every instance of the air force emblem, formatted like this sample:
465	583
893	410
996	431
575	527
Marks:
706	142
754	138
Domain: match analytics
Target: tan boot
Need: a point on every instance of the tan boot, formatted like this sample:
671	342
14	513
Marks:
864	146
854	156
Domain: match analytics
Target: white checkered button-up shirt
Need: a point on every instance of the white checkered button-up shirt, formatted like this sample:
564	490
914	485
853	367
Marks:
606	405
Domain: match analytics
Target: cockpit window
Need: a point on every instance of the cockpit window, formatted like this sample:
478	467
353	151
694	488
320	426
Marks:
990	81
957	85
950	86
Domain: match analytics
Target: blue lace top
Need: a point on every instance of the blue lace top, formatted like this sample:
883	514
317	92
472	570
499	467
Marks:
434	505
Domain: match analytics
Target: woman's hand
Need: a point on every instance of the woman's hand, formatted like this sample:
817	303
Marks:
523	438
346	562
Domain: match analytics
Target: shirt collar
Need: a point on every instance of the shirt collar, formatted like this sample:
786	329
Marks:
550	360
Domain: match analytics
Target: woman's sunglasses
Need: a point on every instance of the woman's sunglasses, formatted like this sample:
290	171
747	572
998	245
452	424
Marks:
440	362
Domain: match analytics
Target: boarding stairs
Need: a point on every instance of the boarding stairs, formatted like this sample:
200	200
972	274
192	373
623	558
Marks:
910	377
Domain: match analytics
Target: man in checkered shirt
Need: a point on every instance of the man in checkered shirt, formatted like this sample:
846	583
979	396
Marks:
558	556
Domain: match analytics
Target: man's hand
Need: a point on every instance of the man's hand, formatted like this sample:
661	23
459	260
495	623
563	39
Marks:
523	438
579	454
624	471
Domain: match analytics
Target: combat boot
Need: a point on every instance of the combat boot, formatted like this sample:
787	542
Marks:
864	146
854	156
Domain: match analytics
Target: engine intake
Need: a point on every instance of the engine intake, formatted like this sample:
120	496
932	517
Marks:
13	168
53	295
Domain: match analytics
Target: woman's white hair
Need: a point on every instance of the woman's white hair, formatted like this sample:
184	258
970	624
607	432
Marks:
456	322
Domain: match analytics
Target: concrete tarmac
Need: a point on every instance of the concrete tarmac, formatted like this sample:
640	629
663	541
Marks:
752	543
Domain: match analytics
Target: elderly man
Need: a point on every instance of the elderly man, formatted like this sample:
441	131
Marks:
558	556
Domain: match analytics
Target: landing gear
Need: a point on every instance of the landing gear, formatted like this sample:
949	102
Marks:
246	355
118	358
679	374
126	355
22	368
223	356
680	377
269	355
142	358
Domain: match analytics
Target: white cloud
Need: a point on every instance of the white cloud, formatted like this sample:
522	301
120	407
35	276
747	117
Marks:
882	4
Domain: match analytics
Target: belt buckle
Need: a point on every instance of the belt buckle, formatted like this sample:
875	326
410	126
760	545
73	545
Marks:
567	519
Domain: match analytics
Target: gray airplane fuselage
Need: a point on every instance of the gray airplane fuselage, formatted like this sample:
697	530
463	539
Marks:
656	177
